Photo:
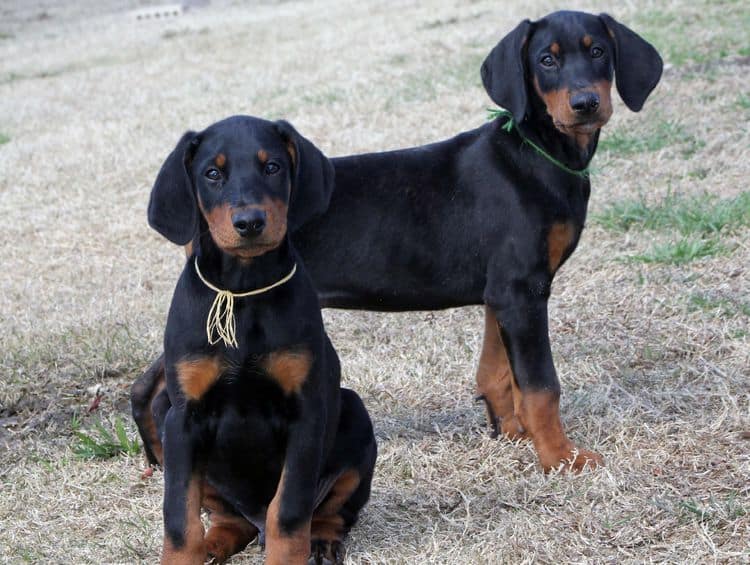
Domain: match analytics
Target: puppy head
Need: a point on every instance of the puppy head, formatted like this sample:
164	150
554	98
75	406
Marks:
567	61
249	180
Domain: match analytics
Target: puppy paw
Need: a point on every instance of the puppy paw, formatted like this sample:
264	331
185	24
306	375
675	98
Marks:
571	459
326	552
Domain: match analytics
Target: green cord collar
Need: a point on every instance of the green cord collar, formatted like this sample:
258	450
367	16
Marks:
510	125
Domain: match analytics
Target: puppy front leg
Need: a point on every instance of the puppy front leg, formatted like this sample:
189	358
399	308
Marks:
183	529
524	330
290	512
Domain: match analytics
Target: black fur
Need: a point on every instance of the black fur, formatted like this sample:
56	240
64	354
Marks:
172	210
238	434
638	65
503	72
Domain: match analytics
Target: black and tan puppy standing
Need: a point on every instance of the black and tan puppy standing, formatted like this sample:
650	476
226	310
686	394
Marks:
253	424
487	217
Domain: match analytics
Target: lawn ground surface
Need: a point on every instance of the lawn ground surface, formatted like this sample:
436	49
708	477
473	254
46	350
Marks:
650	318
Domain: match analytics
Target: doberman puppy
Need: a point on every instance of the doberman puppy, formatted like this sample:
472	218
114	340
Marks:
486	218
254	425
489	216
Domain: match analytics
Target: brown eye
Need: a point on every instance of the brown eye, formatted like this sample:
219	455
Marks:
271	168
213	174
547	61
597	52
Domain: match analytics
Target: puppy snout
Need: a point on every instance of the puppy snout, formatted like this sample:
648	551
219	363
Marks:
585	102
249	223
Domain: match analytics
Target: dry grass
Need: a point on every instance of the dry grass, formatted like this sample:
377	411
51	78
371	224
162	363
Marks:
654	357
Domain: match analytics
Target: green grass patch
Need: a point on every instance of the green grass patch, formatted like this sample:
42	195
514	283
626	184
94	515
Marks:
104	441
714	511
4	139
723	307
681	251
666	133
699	32
699	220
743	101
662	134
706	214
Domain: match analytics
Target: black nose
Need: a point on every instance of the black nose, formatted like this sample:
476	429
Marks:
249	223
585	102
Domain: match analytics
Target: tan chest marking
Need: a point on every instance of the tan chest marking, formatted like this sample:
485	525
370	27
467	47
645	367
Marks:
559	239
289	368
197	376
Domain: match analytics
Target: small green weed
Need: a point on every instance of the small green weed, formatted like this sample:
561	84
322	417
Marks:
104	441
724	307
681	251
713	511
4	139
685	36
665	133
700	173
743	101
662	134
705	214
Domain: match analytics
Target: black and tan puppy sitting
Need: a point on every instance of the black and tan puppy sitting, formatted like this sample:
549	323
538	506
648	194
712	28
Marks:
254	425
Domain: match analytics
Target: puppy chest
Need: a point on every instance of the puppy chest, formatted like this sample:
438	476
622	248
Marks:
286	369
246	453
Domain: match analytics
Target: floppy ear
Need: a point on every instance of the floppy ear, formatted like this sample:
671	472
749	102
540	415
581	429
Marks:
312	177
172	208
503	72
638	65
